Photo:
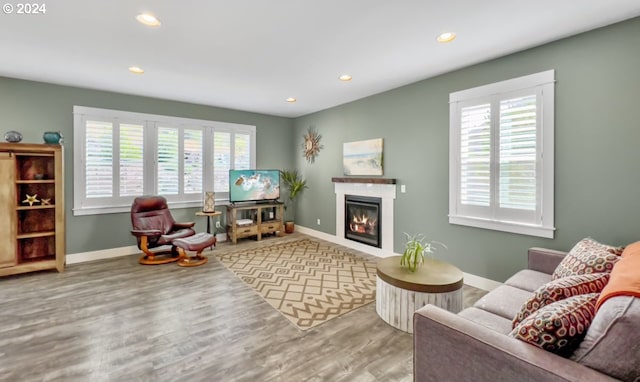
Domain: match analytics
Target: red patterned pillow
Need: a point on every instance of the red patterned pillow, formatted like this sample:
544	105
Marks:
560	289
588	256
560	326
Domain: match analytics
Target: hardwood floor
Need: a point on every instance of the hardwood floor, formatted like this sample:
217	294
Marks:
116	320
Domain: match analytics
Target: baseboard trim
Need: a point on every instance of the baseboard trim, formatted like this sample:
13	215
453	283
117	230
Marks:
480	282
344	242
102	254
469	279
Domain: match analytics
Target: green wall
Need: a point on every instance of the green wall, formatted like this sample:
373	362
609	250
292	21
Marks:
33	108
597	163
596	169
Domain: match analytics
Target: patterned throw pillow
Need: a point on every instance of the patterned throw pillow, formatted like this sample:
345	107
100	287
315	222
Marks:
588	256
560	326
560	289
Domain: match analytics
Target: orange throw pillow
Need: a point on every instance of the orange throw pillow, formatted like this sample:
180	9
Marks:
625	276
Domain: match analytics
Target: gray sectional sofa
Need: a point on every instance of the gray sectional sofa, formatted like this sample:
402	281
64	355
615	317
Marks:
474	345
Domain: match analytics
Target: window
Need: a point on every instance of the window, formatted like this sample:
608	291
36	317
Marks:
501	156
121	155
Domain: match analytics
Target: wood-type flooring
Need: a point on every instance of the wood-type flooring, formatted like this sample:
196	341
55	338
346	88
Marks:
116	320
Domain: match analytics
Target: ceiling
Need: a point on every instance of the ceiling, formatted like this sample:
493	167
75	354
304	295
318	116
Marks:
253	54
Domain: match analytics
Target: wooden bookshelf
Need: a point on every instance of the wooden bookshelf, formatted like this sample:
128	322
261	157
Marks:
32	207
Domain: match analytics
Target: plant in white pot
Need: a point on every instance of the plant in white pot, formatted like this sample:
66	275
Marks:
295	184
416	249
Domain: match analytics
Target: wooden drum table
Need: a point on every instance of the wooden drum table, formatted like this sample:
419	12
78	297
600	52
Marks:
400	292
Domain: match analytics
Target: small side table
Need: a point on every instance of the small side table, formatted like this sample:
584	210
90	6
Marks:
210	216
400	292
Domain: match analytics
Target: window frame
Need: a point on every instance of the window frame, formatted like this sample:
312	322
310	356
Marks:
543	85
150	123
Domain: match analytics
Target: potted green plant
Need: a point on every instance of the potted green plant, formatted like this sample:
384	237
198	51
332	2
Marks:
415	250
294	183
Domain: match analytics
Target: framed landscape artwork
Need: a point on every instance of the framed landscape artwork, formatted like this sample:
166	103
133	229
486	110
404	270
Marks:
362	157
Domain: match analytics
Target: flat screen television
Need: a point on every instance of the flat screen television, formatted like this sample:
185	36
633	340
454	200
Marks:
254	185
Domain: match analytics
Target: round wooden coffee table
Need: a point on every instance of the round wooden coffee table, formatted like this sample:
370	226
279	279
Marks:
400	292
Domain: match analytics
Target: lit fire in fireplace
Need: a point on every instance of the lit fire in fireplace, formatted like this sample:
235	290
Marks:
362	223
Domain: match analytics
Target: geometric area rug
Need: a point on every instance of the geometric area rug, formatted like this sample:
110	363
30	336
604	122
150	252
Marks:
308	281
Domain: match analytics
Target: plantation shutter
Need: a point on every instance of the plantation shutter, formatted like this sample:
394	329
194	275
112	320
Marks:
193	161
131	160
221	161
122	155
475	155
517	176
168	161
501	174
98	159
242	153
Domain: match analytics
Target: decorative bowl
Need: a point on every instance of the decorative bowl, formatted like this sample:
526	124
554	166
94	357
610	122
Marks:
13	136
52	137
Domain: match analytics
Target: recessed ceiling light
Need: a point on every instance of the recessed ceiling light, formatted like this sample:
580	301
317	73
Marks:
291	100
447	37
345	77
136	70
148	19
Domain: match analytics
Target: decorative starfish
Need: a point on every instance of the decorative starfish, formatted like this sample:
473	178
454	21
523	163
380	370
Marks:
45	202
31	199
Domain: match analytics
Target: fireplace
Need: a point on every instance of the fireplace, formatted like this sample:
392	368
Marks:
382	188
363	219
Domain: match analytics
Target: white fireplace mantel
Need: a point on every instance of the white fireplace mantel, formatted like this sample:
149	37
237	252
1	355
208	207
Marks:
386	191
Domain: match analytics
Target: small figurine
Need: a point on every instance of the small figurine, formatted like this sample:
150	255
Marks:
31	199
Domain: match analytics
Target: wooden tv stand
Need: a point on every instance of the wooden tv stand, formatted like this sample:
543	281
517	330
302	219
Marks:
258	225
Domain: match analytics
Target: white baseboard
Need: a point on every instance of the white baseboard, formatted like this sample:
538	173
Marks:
347	243
480	282
83	257
469	279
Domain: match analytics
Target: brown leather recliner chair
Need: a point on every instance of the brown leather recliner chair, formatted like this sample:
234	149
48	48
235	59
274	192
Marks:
153	226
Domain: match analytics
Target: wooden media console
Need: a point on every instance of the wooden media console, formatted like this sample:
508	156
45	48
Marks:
261	220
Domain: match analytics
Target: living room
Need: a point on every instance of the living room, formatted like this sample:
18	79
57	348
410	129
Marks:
597	86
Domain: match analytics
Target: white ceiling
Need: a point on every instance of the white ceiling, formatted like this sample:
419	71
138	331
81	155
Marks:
253	54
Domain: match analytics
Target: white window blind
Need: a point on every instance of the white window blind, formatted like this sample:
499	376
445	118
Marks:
231	150
221	160
475	155
99	159
120	155
242	152
131	160
518	151
168	161
193	161
501	156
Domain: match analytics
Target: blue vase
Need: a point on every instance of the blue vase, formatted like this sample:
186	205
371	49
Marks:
13	136
53	137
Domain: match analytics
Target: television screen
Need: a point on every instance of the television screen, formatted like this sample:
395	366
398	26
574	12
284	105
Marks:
253	185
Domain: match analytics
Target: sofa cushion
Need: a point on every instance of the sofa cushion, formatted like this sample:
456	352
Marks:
625	275
612	343
489	320
558	327
560	289
587	256
505	301
528	280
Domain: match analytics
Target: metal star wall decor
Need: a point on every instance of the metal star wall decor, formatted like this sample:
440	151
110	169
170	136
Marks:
311	146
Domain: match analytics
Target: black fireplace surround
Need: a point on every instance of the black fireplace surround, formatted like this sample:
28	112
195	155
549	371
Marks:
363	219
